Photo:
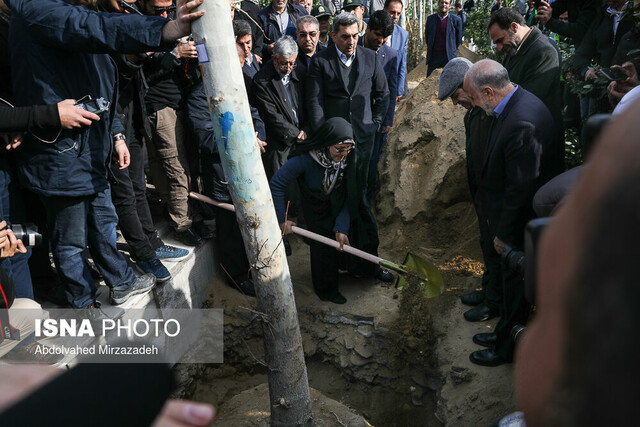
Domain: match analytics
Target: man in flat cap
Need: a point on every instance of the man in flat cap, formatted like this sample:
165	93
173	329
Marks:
477	124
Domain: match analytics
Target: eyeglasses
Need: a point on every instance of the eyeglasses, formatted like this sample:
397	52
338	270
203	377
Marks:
310	34
287	64
344	149
159	10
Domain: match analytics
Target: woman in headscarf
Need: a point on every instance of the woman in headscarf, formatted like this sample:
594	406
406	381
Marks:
324	166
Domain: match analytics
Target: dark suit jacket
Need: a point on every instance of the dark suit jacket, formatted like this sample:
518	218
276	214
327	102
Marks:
327	95
536	68
515	164
400	42
271	100
251	70
388	58
454	34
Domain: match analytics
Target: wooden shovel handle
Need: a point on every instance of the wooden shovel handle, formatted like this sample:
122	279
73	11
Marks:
297	230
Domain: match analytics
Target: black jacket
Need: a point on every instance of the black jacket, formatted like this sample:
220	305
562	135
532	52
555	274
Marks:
599	44
515	164
327	95
271	100
581	14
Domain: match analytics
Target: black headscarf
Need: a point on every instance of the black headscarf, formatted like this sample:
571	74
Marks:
332	132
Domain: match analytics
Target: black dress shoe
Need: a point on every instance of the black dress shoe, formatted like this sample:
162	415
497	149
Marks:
472	298
486	357
188	237
480	313
485	339
384	275
203	230
336	298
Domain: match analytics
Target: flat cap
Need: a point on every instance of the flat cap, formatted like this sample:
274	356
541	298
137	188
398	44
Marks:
452	77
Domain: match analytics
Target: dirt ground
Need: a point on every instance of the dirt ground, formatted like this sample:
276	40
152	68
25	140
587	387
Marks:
423	206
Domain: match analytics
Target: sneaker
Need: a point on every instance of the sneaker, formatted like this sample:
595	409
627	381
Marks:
30	354
155	267
171	252
203	230
188	237
141	286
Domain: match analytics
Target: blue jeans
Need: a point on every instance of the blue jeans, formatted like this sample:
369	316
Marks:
74	223
11	210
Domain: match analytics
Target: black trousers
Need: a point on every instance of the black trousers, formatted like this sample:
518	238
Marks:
437	61
233	257
492	277
513	311
130	200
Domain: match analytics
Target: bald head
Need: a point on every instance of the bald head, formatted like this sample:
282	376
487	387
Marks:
487	83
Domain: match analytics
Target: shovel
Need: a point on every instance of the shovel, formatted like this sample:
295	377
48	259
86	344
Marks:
414	266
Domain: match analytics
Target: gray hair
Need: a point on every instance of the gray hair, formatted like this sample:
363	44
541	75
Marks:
345	19
286	47
488	72
307	19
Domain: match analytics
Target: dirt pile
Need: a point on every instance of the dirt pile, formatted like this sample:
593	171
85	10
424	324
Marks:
424	200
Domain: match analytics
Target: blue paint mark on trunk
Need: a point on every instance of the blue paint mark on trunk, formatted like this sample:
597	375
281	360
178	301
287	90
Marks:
226	121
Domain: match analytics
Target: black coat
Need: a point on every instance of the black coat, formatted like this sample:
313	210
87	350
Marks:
581	14
599	44
327	95
515	164
271	100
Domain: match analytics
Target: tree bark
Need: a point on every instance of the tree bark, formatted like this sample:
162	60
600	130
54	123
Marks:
233	128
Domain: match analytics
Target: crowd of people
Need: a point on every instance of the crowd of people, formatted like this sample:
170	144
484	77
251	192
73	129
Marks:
323	83
517	113
112	99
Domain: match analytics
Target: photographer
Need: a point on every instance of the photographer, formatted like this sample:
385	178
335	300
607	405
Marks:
61	55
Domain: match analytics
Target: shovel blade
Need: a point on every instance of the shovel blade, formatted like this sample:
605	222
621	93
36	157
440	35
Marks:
427	273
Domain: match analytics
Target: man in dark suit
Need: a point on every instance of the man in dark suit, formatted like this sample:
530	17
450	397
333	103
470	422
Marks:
307	35
477	125
399	40
533	62
348	81
515	163
379	28
277	93
278	20
244	40
443	35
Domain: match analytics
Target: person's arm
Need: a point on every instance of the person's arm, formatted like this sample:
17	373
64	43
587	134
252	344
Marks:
579	27
379	93
392	82
586	51
402	66
314	94
76	29
25	118
64	114
289	172
458	26
522	165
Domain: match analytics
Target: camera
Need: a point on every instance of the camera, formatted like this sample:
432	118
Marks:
97	106
28	233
